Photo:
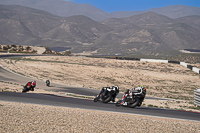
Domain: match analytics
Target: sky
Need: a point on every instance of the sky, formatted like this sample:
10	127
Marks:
135	5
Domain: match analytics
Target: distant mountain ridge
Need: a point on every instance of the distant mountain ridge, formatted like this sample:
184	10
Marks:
151	33
66	8
148	33
28	26
60	7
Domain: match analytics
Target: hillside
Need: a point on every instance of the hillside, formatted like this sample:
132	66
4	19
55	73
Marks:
29	26
22	25
152	34
61	8
68	8
148	34
193	21
78	30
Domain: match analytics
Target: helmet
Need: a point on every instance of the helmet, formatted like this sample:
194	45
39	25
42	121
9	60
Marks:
127	91
116	88
33	83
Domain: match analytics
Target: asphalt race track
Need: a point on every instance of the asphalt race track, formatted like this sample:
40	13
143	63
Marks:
8	76
89	104
47	99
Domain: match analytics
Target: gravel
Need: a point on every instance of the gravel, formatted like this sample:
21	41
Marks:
22	117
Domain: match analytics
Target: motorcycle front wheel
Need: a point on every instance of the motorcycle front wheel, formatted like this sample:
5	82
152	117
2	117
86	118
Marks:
134	103
107	98
24	90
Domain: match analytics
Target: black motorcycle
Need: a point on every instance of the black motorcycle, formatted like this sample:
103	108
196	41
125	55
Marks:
107	95
47	83
131	101
26	89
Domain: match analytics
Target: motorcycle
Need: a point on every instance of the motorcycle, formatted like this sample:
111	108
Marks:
130	101
107	95
48	83
26	89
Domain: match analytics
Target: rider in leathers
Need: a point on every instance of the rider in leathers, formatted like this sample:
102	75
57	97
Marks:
47	82
107	89
135	91
31	85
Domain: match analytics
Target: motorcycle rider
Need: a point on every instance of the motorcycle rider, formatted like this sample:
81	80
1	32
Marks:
135	91
31	85
107	89
47	82
116	89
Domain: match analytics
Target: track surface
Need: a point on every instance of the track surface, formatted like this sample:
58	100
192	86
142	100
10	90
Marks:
89	104
47	99
8	76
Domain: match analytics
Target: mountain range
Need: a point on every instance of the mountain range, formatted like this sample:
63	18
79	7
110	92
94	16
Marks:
67	8
60	8
146	33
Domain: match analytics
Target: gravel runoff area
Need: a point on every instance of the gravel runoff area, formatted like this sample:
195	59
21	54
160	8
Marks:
21	117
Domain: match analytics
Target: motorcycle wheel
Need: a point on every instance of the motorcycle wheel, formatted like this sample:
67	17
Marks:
117	104
107	98
134	103
95	99
24	90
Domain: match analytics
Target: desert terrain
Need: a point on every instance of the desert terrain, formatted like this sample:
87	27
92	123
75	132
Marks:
162	80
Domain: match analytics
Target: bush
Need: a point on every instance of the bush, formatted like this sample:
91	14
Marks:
67	52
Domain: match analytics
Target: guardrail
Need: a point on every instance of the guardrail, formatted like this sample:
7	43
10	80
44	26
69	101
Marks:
154	60
197	97
197	70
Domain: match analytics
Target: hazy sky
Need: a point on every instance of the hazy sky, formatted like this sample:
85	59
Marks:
135	5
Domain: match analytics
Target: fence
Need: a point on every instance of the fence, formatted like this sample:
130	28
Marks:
197	97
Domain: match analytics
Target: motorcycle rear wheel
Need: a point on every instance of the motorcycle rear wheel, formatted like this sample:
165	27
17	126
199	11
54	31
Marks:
117	104
95	99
